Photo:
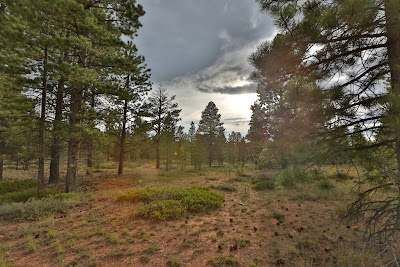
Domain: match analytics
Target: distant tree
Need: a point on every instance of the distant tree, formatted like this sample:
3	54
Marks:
163	113
191	137
209	127
233	146
220	147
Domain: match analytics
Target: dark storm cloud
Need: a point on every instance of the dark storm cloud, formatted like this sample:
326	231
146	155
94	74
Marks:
183	37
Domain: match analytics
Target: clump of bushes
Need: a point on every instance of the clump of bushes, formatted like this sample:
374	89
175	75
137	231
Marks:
24	196
162	210
35	208
166	204
8	185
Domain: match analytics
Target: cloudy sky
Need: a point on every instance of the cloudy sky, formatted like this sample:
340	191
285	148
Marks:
198	50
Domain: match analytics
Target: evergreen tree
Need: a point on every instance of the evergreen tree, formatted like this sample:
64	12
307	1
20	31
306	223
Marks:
163	113
209	127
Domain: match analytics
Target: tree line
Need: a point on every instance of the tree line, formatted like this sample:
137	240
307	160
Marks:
65	66
75	91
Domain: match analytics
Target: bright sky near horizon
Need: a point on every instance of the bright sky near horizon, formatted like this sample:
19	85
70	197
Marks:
198	50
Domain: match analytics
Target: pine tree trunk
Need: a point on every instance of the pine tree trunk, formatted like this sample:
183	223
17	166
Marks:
167	156
1	168
42	125
74	138
157	154
393	46
54	177
122	142
89	159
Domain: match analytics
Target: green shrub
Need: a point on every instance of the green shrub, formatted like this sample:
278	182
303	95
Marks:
34	209
152	249
223	260
289	177
325	185
24	196
8	185
168	204
237	179
173	262
162	210
278	216
341	177
264	185
316	175
254	181
285	179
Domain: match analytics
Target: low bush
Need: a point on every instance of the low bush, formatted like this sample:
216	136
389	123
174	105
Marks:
8	185
24	196
325	185
168	204
237	179
162	210
225	187
35	208
173	262
288	178
264	185
341	177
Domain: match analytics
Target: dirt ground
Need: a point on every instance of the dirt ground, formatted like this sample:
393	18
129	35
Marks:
253	228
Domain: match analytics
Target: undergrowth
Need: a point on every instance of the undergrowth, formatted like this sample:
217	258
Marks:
166	204
8	185
23	196
34	209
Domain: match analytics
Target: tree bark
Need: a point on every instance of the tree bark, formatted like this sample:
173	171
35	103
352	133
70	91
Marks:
122	142
42	124
54	177
1	168
89	160
157	154
71	184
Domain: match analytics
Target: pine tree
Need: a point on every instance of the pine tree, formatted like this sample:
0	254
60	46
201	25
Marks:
350	49
209	127
163	113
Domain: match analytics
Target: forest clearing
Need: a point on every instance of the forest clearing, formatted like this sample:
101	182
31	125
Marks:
200	133
258	224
